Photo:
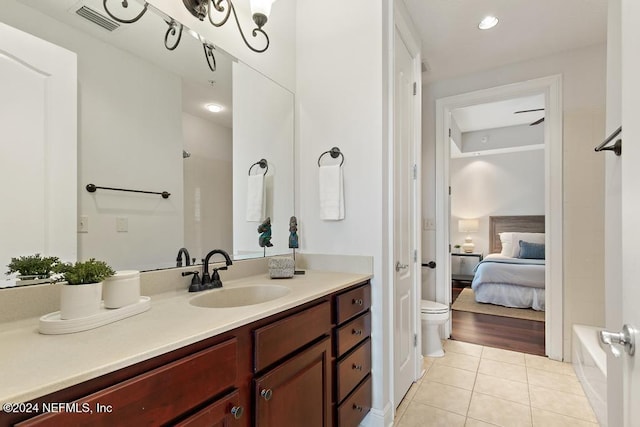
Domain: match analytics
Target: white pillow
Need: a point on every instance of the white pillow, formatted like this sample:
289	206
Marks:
506	239
527	237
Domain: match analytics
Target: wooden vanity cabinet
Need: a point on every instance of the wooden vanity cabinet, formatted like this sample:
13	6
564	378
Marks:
308	366
292	361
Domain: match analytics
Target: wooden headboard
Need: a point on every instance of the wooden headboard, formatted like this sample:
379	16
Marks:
506	224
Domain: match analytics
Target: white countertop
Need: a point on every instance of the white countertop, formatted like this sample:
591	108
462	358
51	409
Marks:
33	365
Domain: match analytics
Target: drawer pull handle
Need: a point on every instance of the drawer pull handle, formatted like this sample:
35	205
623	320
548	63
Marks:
237	412
357	301
266	394
357	367
357	407
357	332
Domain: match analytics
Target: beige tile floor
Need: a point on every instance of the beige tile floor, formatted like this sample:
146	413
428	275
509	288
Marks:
479	386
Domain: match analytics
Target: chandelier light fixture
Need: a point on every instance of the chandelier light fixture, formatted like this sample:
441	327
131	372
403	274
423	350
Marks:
260	10
201	9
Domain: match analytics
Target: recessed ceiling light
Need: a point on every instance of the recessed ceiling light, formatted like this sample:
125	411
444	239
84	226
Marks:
488	22
214	108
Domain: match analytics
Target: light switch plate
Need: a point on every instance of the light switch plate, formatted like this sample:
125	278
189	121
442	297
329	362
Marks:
83	224
122	224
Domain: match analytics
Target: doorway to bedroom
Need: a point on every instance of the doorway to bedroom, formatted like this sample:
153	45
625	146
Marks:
497	180
501	164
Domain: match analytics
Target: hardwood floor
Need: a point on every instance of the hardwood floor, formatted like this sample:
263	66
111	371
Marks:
522	335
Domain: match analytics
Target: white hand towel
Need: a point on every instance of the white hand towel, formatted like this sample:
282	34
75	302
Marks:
255	198
331	193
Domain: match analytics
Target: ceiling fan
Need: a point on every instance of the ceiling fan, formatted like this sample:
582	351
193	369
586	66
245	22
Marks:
537	122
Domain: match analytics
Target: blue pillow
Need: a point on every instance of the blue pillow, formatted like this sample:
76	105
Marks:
530	250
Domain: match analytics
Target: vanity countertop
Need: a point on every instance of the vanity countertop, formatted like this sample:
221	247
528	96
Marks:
34	365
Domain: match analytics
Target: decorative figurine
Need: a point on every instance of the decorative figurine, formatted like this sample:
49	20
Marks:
293	233
265	237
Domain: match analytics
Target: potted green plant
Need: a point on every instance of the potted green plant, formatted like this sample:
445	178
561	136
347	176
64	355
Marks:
456	249
81	291
33	269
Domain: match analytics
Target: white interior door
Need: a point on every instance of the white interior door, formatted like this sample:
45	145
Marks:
405	265
630	203
37	147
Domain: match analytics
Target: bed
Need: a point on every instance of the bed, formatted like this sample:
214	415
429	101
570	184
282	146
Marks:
512	275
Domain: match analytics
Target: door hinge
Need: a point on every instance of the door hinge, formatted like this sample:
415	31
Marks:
415	255
415	88
415	340
415	171
449	190
449	132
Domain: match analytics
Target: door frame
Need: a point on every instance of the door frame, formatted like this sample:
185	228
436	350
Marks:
404	29
551	87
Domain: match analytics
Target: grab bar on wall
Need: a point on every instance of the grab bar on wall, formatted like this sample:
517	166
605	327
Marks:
616	147
91	188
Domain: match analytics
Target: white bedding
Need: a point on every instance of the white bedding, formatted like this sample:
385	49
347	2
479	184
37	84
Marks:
511	282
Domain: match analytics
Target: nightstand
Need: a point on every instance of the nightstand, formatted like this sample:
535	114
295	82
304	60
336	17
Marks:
463	264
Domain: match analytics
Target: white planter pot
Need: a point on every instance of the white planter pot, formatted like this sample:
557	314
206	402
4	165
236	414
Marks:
78	301
121	289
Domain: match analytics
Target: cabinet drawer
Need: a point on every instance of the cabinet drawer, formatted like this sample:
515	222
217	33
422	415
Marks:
155	397
352	333
353	410
352	302
224	412
352	369
277	340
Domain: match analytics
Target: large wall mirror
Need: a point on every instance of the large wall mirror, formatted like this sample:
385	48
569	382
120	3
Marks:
143	125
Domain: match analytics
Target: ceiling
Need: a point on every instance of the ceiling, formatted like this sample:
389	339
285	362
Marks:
499	114
452	44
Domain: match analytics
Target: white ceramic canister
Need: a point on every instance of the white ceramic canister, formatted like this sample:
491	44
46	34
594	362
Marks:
123	288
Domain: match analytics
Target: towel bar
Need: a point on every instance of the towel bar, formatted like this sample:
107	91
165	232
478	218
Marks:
91	188
334	153
262	163
616	147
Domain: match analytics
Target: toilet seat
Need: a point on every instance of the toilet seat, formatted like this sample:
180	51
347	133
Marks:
432	307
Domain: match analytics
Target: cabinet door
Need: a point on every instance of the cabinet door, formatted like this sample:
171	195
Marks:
298	391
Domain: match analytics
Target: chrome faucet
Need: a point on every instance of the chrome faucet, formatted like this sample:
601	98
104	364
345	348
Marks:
187	257
214	282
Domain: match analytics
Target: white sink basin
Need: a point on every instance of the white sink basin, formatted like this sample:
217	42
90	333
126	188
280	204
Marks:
238	297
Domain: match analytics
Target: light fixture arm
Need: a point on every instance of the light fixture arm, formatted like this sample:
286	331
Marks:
208	53
258	18
171	32
125	4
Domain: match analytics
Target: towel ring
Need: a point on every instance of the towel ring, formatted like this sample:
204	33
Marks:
334	153
263	164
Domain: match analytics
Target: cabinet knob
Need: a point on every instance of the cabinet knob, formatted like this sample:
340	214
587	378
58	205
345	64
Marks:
266	394
356	331
357	301
356	367
237	412
357	407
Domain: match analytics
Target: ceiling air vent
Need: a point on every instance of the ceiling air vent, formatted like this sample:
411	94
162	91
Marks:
97	18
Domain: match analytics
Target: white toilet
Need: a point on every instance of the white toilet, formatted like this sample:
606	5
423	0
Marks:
432	314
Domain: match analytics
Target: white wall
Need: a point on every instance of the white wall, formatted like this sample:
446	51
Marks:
341	101
208	189
583	72
501	184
